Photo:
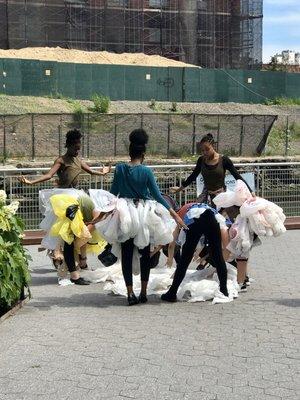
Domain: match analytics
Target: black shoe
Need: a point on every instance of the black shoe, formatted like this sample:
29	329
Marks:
171	298
132	299
80	281
143	298
247	281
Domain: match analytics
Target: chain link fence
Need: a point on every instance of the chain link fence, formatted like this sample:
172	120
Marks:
278	182
42	136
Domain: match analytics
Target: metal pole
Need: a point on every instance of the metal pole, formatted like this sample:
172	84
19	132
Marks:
241	135
7	24
88	136
59	135
257	189
287	133
169	135
4	142
32	138
218	133
194	135
142	120
115	137
81	127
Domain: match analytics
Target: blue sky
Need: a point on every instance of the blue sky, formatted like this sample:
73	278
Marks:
281	27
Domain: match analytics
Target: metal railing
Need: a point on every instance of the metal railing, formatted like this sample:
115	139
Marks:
278	182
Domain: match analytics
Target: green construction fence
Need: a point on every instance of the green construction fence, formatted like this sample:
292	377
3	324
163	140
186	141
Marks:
123	82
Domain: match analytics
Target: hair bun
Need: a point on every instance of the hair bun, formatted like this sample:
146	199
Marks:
210	136
138	137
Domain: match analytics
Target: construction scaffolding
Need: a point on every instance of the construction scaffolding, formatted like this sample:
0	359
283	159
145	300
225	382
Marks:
209	33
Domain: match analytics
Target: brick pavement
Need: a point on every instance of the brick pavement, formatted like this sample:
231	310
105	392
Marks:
77	343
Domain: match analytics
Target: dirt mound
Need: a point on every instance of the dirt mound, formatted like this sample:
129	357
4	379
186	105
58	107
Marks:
90	57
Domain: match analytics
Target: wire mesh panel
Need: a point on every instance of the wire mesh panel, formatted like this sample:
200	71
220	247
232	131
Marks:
125	124
100	135
157	129
181	135
47	135
19	136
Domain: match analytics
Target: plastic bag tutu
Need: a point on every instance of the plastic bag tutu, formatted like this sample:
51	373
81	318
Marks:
57	204
195	211
261	217
52	242
146	221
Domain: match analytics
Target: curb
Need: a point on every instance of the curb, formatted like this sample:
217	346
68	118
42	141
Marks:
14	310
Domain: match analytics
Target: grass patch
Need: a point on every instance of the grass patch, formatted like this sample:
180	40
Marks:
283	101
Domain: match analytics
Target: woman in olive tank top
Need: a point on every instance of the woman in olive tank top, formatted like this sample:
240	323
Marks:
68	168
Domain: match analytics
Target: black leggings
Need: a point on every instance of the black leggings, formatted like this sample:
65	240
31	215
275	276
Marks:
205	225
126	260
69	256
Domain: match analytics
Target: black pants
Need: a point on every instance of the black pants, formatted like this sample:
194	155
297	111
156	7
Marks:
208	226
126	260
69	256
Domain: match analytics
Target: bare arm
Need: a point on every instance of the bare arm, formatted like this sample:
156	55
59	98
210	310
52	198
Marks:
190	179
171	247
45	177
89	170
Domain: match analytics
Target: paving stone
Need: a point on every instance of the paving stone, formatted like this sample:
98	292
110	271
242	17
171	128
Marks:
79	343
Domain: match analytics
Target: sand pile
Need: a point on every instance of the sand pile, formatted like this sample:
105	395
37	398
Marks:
90	57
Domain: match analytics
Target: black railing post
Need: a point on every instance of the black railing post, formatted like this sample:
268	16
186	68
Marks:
32	138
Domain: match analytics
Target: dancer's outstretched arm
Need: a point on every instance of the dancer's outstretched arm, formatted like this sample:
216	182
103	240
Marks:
46	177
89	170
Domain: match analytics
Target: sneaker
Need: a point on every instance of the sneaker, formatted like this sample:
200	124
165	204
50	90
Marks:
247	281
80	281
242	287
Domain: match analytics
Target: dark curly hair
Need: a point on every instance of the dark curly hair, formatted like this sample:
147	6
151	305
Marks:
208	138
72	137
138	140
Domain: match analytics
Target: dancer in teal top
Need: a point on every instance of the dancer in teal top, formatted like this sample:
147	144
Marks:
136	181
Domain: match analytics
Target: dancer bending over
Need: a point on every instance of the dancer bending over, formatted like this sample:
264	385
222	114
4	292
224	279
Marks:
205	224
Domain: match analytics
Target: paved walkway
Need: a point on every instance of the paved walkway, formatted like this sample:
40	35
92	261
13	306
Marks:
77	343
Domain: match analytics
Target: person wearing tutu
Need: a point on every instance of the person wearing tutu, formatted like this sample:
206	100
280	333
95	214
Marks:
135	183
202	220
68	168
213	166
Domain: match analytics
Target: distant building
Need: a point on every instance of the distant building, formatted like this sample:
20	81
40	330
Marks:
209	33
287	57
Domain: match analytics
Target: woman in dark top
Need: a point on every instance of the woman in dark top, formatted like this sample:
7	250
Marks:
212	166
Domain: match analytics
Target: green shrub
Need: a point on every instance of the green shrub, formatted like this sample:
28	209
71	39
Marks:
14	273
174	107
283	101
101	103
152	104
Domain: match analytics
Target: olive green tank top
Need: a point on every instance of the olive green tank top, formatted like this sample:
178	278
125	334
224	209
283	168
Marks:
213	175
68	172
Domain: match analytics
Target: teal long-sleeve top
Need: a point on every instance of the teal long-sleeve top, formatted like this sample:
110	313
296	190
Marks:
136	182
